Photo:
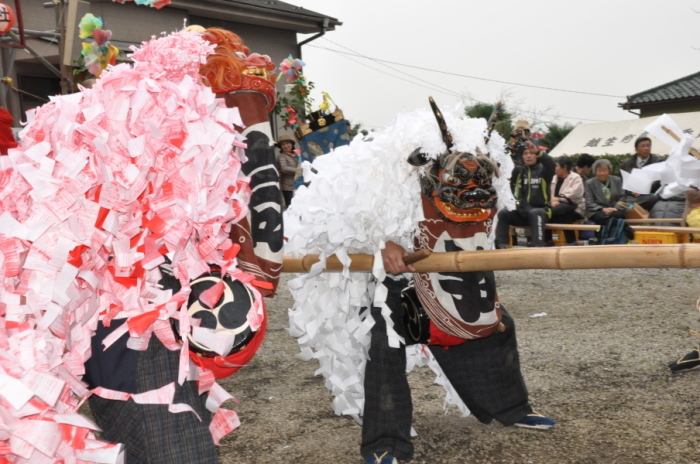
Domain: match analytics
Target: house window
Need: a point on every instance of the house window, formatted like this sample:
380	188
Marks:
37	86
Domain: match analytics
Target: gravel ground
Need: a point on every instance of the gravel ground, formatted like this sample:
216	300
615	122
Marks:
597	364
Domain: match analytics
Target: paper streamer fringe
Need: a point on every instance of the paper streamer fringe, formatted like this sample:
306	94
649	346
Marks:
361	196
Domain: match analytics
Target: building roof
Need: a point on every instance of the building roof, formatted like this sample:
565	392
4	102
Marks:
685	88
270	13
283	7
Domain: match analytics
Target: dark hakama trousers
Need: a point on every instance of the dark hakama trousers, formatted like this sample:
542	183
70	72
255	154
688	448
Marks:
485	373
151	434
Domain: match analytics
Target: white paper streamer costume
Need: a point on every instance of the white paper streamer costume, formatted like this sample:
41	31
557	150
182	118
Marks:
106	182
361	196
680	171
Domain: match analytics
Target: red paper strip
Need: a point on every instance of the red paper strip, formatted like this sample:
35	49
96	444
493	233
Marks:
232	251
223	422
139	324
211	296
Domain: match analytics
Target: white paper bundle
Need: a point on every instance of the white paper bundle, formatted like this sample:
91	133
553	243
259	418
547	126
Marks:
360	196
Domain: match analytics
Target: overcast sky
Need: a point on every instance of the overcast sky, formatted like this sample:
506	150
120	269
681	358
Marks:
612	47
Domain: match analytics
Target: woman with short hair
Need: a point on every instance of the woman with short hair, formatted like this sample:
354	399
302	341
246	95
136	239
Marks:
567	201
602	194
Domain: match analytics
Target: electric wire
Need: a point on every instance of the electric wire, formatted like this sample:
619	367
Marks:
8	82
355	53
439	88
433	86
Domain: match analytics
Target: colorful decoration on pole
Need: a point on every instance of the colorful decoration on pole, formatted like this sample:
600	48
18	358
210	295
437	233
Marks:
100	53
317	131
296	104
158	4
7	18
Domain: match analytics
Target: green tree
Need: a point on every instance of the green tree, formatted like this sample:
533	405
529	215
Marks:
504	126
555	133
354	129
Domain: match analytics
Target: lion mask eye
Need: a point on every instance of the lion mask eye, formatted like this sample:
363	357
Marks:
449	178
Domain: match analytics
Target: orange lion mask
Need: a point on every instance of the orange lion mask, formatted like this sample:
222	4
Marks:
233	68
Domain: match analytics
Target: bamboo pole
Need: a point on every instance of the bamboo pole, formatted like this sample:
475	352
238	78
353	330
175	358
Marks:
692	150
563	258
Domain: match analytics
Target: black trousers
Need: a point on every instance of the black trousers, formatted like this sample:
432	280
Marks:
536	218
151	433
484	372
288	195
565	213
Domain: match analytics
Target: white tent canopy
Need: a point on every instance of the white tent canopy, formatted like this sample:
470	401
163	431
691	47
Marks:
617	138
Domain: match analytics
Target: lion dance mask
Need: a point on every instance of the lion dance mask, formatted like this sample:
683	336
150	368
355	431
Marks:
459	204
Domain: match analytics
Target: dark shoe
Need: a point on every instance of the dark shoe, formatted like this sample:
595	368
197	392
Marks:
535	420
687	362
383	458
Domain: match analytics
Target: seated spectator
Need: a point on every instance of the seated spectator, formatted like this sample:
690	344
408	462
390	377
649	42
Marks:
643	157
529	183
603	193
671	208
692	219
567	202
692	215
583	166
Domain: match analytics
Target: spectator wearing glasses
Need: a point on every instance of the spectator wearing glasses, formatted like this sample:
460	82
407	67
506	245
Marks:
603	193
642	157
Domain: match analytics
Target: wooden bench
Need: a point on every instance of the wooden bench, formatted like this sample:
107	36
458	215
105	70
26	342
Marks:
683	233
653	220
577	226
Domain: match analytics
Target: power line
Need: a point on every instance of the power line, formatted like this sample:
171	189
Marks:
462	75
433	86
443	89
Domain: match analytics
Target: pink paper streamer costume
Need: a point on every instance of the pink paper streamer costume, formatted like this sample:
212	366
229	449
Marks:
106	185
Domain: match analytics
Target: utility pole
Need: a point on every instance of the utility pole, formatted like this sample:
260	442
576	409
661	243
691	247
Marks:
61	29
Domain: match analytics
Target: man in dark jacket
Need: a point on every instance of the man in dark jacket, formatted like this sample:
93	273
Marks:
584	165
643	157
530	184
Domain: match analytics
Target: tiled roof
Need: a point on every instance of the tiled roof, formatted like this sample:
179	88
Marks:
685	87
283	8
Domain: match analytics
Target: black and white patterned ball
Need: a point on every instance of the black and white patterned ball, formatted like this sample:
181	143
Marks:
228	316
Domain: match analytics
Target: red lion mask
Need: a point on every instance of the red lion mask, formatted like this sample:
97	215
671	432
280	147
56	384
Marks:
233	68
